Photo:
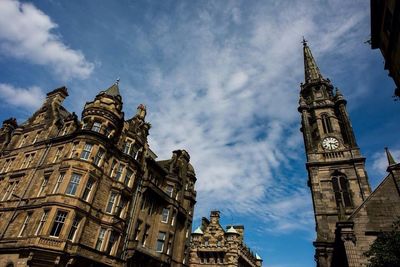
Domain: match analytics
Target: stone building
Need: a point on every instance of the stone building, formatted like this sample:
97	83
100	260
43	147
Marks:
348	214
212	245
90	192
385	35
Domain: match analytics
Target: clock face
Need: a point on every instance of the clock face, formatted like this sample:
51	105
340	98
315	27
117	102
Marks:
330	143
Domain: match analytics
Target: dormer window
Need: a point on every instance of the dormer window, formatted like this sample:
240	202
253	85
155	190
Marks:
96	127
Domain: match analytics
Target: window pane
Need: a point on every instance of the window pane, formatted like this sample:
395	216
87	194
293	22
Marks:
100	239
111	202
165	214
88	189
74	228
73	184
58	223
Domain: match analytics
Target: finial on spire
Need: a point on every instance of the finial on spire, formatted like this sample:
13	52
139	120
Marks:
117	81
304	41
390	158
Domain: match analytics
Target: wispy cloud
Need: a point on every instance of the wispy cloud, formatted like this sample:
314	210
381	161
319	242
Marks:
30	97
27	33
229	97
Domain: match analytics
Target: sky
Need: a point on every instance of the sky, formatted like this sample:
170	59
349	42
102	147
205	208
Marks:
219	79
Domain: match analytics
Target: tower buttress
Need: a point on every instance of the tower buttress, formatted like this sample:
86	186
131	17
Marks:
336	168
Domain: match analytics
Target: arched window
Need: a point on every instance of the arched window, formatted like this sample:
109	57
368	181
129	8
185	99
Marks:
341	188
326	124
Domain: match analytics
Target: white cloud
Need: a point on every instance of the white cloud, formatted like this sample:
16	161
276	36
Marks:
30	97
229	97
26	33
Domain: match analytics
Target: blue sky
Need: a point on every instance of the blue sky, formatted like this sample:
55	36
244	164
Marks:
220	79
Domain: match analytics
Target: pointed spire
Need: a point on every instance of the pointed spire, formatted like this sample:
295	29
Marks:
311	70
390	158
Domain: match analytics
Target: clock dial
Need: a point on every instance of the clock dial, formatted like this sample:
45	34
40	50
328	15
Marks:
330	143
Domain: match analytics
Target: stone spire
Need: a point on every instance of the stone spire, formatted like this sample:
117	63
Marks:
311	70
390	158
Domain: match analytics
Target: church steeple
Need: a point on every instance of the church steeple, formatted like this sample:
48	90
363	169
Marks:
311	70
336	171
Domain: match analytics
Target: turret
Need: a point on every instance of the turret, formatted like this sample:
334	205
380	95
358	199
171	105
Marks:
197	235
104	114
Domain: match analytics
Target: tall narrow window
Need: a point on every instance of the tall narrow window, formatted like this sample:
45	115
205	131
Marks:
326	123
169	247
10	163
42	221
73	151
169	189
24	225
74	228
73	184
119	171
57	156
7	193
173	218
43	185
112	242
96	127
165	215
145	235
111	202
128	176
58	183
26	163
107	132
99	157
121	210
113	166
100	239
160	242
12	186
36	137
88	189
65	130
23	140
341	188
86	151
127	146
58	223
137	230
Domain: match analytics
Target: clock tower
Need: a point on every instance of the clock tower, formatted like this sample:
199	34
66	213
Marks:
336	169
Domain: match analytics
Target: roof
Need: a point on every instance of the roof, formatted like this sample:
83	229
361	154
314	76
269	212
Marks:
232	230
113	90
198	231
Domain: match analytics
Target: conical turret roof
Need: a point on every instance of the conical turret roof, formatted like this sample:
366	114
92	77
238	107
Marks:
113	90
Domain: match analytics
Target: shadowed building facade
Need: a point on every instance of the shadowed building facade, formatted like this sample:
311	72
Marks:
213	246
385	35
90	192
348	215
